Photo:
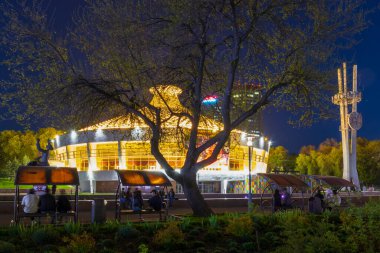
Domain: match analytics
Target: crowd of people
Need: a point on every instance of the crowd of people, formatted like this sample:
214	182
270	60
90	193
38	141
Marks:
134	200
317	203
321	202
46	203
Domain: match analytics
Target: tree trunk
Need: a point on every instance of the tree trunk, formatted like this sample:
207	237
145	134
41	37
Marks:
195	198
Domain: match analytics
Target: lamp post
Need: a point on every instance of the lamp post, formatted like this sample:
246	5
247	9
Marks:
250	202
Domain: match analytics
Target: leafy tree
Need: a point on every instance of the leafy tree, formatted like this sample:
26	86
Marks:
368	161
307	164
279	159
18	148
115	51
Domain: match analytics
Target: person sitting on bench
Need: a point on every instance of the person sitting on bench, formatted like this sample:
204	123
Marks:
137	202
30	202
155	201
63	204
47	204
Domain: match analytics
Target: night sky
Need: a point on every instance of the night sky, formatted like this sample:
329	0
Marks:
366	55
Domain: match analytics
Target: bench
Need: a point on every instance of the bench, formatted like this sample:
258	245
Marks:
162	214
58	215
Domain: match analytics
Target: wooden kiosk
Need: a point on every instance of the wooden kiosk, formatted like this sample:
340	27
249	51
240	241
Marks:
44	175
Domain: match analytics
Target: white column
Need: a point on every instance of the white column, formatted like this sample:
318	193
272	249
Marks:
71	161
343	125
354	171
91	165
122	160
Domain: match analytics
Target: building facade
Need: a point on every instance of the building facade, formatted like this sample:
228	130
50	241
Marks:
123	143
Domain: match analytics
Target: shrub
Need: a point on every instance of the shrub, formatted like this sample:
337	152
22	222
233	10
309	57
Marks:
44	236
72	228
248	246
240	227
213	221
201	250
127	232
197	244
107	243
149	227
83	243
50	248
186	224
170	237
143	248
110	226
212	235
7	247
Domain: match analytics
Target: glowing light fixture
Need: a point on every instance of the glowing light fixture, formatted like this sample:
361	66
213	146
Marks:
74	136
243	136
57	140
261	143
210	100
99	134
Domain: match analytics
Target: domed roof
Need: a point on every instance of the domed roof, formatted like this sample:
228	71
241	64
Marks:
166	98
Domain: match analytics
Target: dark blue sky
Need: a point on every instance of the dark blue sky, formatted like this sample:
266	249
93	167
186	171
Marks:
366	55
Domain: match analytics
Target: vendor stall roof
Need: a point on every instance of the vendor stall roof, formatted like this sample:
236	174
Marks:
284	180
46	175
333	181
142	178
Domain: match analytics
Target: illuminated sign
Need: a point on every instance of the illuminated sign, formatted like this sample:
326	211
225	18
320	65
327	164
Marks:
210	100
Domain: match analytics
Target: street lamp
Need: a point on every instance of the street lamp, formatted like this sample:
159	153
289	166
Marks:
250	144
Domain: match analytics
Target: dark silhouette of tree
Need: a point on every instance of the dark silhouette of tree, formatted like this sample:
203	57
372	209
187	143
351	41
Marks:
114	51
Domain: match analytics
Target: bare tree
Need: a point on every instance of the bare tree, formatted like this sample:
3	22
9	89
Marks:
113	52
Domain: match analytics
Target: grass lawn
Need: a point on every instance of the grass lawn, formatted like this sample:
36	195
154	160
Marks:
6	183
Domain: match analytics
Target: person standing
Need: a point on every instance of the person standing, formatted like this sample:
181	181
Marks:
30	202
321	197
128	198
287	201
123	199
277	200
171	197
155	202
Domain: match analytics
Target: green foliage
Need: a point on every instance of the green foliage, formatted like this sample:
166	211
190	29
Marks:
45	235
240	227
18	148
83	243
127	233
72	228
143	248
213	221
170	237
354	229
280	159
7	247
50	248
327	160
185	224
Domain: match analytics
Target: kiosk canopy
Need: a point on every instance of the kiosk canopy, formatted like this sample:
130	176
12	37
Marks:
143	178
333	181
45	175
284	180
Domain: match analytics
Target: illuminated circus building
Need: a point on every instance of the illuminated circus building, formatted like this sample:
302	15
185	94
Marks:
123	143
